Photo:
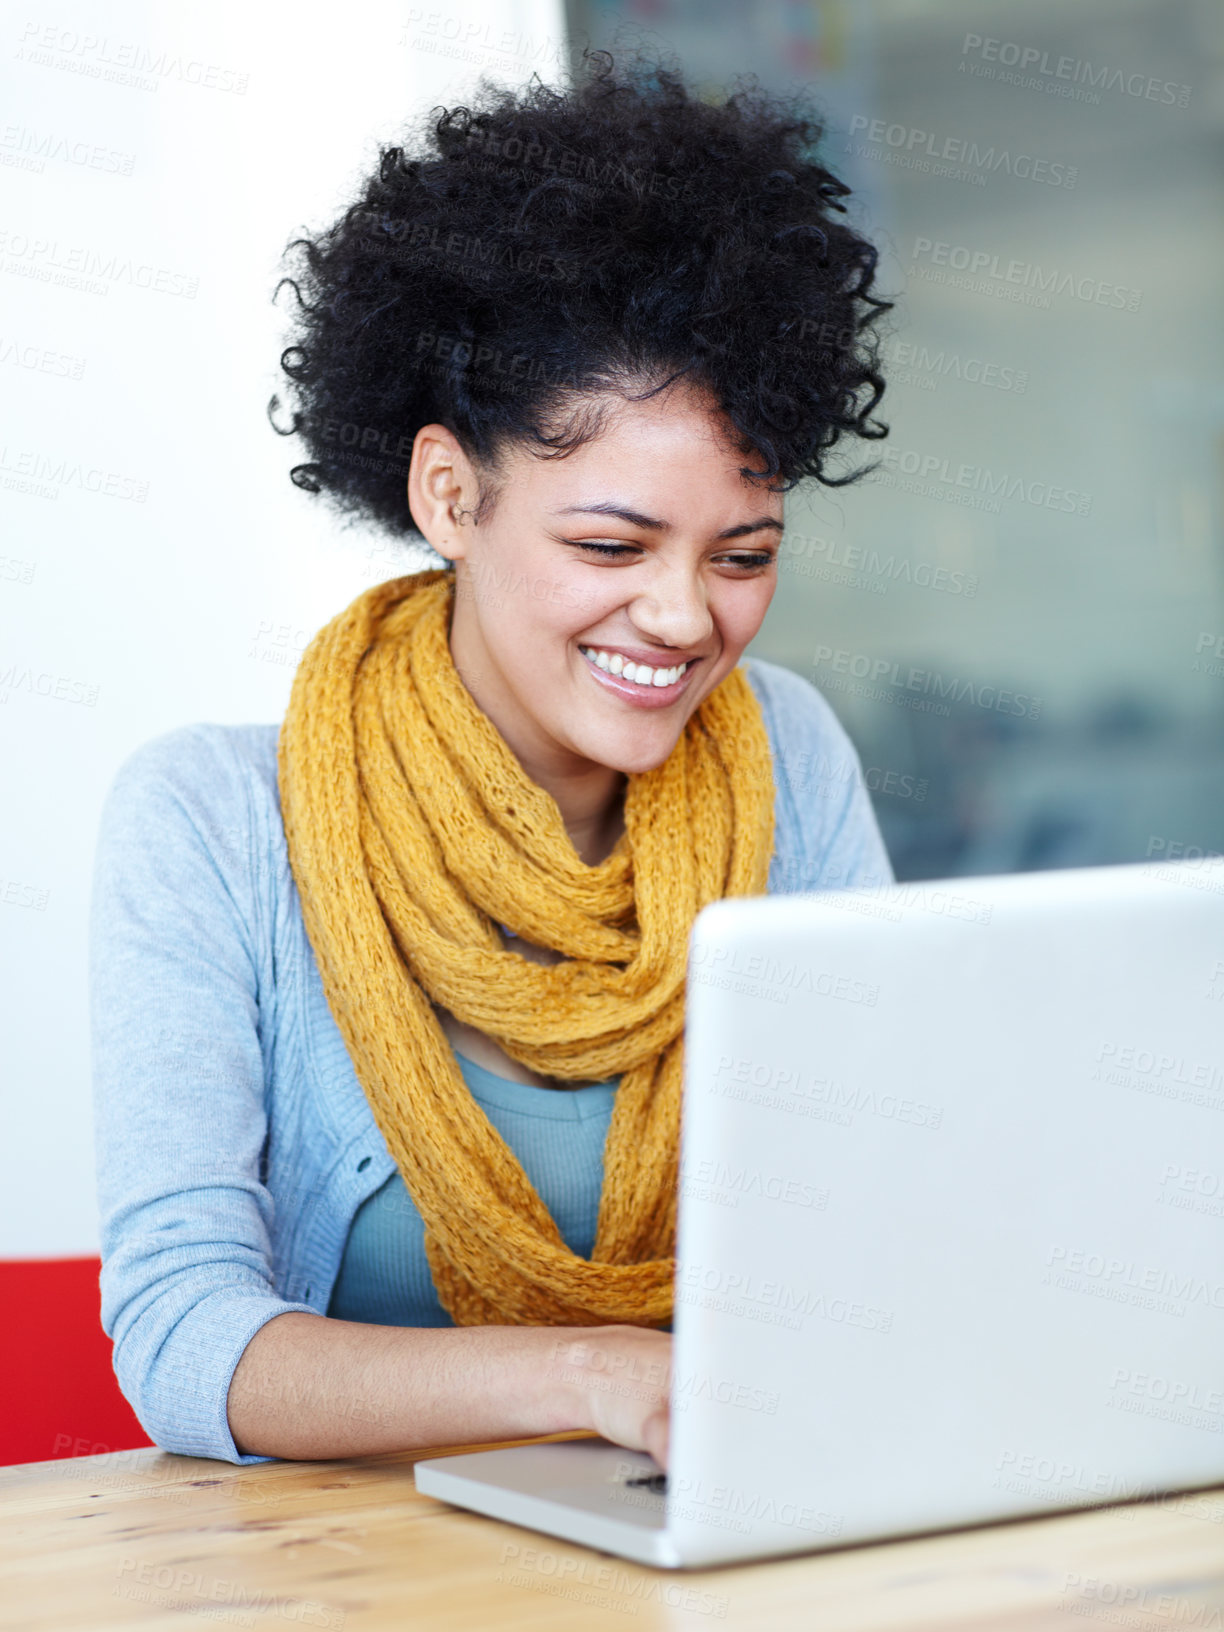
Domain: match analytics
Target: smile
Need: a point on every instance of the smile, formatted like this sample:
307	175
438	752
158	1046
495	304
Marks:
637	682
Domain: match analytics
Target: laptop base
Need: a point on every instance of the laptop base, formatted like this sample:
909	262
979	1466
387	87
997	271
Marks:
584	1490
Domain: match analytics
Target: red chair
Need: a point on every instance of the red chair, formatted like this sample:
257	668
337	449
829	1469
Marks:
59	1393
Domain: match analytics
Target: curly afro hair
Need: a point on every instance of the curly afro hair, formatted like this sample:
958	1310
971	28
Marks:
545	249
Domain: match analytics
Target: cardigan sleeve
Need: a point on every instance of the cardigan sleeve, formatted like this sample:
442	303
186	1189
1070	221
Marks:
178	1076
826	833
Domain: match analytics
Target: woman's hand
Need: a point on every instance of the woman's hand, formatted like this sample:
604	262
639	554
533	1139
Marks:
617	1380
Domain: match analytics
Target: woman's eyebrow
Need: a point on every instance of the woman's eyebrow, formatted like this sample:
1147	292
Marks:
634	518
752	527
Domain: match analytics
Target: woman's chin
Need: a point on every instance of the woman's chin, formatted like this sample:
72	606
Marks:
634	750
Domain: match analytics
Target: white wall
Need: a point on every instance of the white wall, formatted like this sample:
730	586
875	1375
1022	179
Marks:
156	565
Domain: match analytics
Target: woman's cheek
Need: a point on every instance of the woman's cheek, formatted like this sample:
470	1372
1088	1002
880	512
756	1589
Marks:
741	616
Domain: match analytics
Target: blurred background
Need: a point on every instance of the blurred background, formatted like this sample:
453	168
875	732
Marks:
1019	616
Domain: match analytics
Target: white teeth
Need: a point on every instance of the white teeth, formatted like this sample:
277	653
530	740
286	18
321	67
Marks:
640	673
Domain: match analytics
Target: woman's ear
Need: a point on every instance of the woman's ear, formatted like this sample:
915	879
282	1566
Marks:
442	490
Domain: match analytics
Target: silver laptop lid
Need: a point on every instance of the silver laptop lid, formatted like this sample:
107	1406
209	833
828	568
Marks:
951	1241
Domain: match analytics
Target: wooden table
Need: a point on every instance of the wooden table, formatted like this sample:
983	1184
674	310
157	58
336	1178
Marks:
145	1539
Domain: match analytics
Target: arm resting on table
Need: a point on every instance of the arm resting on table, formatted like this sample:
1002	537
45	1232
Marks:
308	1386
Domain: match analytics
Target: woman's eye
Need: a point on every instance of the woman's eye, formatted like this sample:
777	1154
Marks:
614	551
761	560
745	561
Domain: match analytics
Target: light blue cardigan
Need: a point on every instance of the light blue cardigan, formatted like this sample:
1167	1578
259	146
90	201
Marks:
234	1143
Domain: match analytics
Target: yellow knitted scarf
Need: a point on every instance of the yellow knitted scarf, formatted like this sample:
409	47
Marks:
412	832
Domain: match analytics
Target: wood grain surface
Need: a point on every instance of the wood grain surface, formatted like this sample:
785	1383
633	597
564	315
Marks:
145	1539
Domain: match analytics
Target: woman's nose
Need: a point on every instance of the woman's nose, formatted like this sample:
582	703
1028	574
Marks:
673	609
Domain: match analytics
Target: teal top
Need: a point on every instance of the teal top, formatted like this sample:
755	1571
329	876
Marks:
558	1136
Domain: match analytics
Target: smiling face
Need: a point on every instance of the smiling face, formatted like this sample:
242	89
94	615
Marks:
645	545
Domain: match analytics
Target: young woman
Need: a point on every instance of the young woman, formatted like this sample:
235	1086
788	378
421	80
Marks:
388	1001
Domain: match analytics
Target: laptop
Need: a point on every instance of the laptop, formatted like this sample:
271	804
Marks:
951	1223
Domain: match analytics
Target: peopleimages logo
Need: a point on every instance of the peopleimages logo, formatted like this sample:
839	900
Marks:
711	1180
1058	74
958	157
932	468
984	270
928	682
27	148
858	567
772	1302
78	266
708	961
1169	1391
910	362
1078	1269
123	62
